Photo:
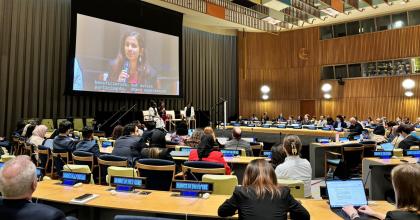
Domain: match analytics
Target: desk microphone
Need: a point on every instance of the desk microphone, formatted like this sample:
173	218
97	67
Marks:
65	164
192	174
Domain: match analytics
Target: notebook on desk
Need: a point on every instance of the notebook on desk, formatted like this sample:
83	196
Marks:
346	192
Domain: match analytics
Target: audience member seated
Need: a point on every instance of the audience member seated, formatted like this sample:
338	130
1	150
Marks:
117	132
330	121
322	121
406	120
261	198
63	143
181	134
278	155
20	125
281	118
294	167
17	183
253	118
265	117
417	124
390	132
299	119
405	180
379	129
237	143
130	144
291	120
28	129
38	135
339	122
355	127
206	152
306	120
88	144
209	131
157	147
195	138
147	133
409	140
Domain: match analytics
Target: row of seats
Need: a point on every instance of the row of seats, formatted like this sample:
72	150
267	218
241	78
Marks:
78	123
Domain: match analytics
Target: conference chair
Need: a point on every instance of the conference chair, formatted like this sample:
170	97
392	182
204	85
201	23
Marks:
21	146
15	144
49	123
297	187
4	158
222	184
159	173
84	158
194	170
132	217
106	160
78	124
44	154
369	147
58	163
120	171
256	149
351	156
28	149
89	122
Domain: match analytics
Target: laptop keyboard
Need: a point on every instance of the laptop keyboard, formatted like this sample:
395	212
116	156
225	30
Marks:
343	215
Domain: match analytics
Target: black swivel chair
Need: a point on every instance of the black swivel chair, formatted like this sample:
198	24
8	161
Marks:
104	161
159	173
194	170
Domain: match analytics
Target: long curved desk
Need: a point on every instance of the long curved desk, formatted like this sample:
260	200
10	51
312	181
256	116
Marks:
159	203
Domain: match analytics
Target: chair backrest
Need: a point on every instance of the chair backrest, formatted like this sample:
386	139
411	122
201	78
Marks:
49	123
57	162
44	154
84	158
196	169
256	149
170	114
89	122
222	184
297	187
352	154
120	171
159	173
78	124
104	161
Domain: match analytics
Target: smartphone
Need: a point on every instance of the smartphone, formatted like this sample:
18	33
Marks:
83	197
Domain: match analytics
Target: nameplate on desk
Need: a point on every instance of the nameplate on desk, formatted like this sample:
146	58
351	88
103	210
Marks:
192	186
383	154
344	140
326	129
281	126
128	183
236	124
338	129
266	126
71	178
412	153
230	153
251	125
323	140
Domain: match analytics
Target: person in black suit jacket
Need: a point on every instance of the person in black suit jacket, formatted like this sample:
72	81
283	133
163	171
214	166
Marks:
405	180
355	127
262	198
130	144
17	183
409	140
339	122
379	129
147	134
157	147
62	142
88	144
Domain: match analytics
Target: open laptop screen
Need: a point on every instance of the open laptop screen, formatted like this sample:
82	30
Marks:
387	146
346	192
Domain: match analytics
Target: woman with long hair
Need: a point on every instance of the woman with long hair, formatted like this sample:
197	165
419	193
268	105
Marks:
206	152
260	197
405	181
130	64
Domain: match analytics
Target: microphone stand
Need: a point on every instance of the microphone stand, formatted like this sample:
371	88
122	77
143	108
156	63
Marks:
126	112
101	125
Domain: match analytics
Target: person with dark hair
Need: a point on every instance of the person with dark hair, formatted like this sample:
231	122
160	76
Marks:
195	138
409	140
390	135
20	125
62	142
260	197
157	147
291	120
405	181
189	113
265	117
130	144
147	133
181	134
88	144
306	120
278	155
330	121
339	122
295	167
379	129
299	119
117	132
206	152
355	127
237	143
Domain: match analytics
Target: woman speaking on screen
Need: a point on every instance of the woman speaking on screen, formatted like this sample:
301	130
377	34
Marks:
130	66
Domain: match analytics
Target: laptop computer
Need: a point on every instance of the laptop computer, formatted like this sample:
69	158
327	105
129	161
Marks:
387	146
346	192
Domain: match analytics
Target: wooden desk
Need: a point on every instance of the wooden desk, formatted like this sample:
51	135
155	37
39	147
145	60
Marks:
305	132
161	202
374	171
233	160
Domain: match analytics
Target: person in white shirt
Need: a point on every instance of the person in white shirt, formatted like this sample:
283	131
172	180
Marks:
189	113
322	121
294	167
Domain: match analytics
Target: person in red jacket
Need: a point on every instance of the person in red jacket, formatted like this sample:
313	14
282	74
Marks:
206	152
